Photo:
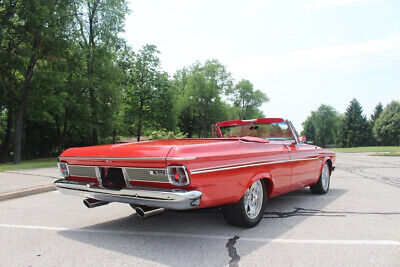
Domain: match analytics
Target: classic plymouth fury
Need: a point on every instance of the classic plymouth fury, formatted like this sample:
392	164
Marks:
246	163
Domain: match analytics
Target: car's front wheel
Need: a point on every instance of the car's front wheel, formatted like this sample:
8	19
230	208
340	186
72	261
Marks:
322	185
248	211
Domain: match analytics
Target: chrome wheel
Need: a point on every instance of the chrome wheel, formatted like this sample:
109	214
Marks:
253	199
325	177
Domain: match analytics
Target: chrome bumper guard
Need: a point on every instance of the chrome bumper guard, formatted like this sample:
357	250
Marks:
153	197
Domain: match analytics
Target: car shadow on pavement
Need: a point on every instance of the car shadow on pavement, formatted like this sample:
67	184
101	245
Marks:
201	236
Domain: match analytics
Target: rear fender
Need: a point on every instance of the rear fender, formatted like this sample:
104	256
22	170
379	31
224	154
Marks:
266	177
324	160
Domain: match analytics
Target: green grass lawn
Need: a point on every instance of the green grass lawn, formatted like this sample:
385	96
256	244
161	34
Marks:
368	149
29	164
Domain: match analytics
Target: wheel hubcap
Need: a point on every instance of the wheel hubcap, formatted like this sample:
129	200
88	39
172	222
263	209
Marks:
253	199
325	177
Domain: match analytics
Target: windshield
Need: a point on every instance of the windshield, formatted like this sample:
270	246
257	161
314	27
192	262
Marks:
271	131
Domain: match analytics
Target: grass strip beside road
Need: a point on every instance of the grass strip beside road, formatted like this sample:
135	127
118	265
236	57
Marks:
386	154
393	149
29	164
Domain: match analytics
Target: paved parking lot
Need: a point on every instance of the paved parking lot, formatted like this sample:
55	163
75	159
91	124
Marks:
356	223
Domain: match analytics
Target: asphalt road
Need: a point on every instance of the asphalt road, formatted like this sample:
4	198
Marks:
357	223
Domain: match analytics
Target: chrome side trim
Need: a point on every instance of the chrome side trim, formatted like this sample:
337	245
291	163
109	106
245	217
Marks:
178	158
132	158
78	165
231	165
216	169
152	197
116	158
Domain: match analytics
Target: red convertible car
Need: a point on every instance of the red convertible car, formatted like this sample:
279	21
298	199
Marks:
246	163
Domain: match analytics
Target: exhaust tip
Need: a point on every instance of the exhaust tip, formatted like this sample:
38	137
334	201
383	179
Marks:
145	212
92	203
140	213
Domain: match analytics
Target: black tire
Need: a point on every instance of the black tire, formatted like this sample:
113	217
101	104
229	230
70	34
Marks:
235	214
322	185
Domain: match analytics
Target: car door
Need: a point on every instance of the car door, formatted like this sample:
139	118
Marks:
279	168
304	162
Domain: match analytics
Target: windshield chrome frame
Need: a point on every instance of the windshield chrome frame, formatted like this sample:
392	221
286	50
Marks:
296	137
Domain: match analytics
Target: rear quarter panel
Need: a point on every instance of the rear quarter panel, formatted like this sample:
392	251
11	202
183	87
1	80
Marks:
220	173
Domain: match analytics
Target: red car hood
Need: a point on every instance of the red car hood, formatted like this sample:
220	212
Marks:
157	148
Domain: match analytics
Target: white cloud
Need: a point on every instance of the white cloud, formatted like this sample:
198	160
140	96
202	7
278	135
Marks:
314	4
345	56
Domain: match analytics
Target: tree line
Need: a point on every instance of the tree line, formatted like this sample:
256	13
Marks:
325	126
69	79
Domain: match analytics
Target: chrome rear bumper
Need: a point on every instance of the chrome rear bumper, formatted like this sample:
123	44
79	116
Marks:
153	197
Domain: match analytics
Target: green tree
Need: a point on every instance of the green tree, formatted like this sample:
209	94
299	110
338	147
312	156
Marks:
59	73
8	68
354	130
200	90
377	111
309	128
164	134
32	30
149	98
321	126
98	26
185	111
374	116
247	100
387	125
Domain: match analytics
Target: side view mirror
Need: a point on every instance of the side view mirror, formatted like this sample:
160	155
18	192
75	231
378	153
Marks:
302	139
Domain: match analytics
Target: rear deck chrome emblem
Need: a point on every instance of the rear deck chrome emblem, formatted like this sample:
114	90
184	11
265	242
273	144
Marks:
158	172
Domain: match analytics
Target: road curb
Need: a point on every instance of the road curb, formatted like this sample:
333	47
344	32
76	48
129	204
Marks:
27	192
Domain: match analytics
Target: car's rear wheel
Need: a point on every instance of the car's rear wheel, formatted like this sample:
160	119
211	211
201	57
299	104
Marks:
248	211
322	185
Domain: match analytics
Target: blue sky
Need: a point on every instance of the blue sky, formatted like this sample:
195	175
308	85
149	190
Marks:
300	53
